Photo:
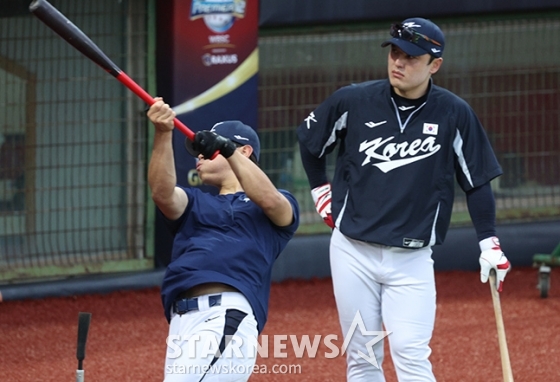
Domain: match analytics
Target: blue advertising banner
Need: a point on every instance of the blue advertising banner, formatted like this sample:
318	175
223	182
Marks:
215	67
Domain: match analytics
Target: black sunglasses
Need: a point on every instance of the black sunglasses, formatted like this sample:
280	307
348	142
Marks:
409	34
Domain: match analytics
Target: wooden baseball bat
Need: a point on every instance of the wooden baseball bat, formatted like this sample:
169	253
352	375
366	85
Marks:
504	353
55	20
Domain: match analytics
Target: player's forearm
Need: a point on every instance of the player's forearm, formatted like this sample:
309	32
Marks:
261	190
482	209
315	168
161	170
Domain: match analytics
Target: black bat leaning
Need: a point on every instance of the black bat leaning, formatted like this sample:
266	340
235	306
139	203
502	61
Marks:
84	320
55	20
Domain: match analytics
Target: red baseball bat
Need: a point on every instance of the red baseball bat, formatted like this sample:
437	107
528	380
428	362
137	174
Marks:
78	39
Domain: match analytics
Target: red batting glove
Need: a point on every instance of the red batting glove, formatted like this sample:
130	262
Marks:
492	257
322	196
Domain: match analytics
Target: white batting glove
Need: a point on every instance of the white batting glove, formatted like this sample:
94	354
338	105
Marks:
322	197
492	257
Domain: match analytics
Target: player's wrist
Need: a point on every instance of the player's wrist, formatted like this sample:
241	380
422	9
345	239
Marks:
163	128
227	147
490	243
319	192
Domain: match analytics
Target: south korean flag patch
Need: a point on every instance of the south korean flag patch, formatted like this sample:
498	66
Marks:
430	128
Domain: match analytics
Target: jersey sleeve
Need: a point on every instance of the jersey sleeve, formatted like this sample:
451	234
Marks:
291	229
475	160
482	209
321	129
174	225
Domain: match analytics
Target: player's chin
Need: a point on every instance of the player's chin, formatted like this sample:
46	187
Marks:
207	179
203	177
396	81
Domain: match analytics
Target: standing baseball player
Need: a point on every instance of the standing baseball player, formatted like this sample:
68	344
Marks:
402	142
215	291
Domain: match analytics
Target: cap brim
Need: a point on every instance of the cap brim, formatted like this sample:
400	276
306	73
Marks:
407	47
190	149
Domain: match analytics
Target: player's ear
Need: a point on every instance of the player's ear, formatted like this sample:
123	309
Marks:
435	65
246	150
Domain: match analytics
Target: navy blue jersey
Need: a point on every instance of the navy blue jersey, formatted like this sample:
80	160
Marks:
394	178
226	239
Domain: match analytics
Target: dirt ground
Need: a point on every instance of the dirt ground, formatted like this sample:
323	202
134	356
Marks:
126	340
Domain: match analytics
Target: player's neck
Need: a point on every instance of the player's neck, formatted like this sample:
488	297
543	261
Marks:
413	93
230	186
406	101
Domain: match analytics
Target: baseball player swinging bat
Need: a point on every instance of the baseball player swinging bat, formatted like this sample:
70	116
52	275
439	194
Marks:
504	354
78	39
83	327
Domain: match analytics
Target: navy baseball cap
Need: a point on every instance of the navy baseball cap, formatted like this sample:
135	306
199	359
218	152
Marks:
416	37
237	132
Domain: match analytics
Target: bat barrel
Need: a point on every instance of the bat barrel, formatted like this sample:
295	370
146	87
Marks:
55	20
84	320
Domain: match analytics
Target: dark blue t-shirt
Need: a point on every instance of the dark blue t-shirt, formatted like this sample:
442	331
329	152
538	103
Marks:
226	239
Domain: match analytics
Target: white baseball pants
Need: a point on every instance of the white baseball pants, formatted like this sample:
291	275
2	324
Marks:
195	336
391	287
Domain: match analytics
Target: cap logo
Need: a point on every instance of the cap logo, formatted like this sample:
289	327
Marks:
240	137
412	25
436	50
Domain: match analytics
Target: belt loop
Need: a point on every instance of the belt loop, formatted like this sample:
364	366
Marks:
215	300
